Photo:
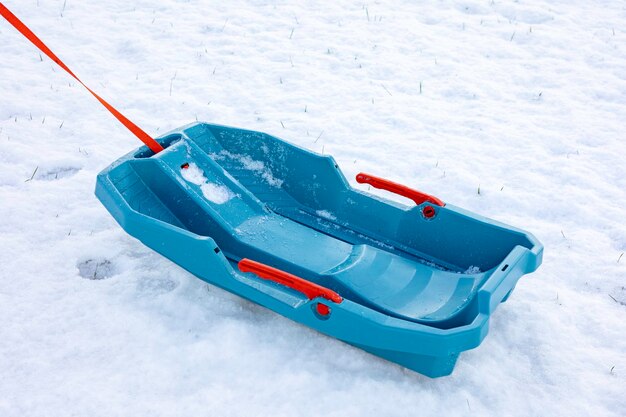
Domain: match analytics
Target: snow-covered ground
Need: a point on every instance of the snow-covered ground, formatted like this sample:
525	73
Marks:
524	101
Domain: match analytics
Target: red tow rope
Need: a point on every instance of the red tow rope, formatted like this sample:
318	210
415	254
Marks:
24	30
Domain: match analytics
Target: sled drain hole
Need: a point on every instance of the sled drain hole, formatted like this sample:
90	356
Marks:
505	267
216	250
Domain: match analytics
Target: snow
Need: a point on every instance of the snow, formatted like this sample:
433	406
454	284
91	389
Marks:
473	270
258	167
524	101
216	193
326	214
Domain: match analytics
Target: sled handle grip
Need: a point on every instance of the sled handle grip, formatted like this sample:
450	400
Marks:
269	273
417	196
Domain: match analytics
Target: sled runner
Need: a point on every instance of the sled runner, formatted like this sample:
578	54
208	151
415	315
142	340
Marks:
281	226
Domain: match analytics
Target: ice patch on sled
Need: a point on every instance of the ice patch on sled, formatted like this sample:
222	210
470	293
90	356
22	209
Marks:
472	270
326	214
247	163
216	193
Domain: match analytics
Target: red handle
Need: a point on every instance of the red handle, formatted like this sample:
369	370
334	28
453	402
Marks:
417	196
308	288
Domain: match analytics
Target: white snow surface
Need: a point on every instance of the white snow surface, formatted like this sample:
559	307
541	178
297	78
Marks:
522	100
216	193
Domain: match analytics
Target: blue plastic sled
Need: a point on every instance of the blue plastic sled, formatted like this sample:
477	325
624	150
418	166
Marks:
281	226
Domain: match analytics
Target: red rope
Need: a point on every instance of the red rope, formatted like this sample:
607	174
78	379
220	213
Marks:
24	30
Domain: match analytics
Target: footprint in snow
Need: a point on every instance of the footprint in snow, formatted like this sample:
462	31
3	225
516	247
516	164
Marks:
96	269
